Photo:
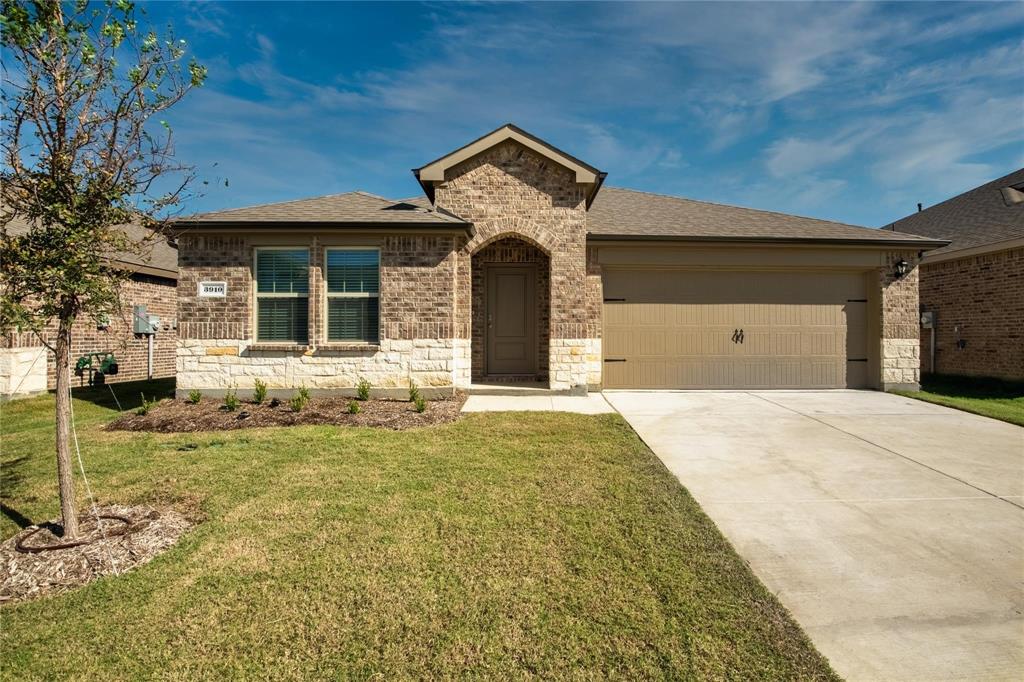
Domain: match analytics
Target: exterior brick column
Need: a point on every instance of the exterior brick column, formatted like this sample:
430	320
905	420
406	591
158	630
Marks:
900	324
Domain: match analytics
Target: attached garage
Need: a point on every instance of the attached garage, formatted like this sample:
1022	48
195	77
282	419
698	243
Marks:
670	328
736	328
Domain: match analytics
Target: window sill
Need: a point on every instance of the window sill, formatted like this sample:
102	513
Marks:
349	346
286	347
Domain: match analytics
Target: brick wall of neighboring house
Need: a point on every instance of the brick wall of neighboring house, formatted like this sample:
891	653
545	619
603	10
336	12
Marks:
417	342
978	302
158	295
899	321
510	191
504	251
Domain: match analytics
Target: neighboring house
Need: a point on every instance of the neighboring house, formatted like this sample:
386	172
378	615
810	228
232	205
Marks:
974	287
518	266
28	368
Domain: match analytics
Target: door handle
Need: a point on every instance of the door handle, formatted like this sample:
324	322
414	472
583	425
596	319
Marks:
741	336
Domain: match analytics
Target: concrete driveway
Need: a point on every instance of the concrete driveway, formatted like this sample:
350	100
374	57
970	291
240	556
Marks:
891	528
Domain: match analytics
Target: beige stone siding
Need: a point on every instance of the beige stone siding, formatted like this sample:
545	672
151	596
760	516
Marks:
510	191
117	337
979	306
22	372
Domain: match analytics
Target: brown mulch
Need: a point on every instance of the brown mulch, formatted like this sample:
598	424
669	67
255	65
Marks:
29	575
181	416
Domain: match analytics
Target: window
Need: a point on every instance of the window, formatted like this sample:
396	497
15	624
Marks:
353	294
282	295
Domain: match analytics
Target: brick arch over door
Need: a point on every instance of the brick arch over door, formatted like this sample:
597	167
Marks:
512	227
510	250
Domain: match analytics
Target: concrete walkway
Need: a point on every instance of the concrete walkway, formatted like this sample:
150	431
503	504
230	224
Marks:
592	403
891	528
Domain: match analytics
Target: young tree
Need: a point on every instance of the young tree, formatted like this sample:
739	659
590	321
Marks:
83	152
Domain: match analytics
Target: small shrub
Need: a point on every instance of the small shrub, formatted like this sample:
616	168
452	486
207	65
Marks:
194	396
259	392
231	401
420	402
300	399
414	391
363	389
147	405
353	407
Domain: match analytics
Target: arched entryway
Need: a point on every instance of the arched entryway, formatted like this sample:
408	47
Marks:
511	317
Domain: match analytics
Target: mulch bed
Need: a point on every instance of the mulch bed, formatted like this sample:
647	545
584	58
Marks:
27	575
181	416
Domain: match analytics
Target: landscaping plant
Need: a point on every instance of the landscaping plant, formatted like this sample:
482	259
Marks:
420	402
194	396
147	405
414	391
231	401
259	392
353	407
300	399
363	389
84	149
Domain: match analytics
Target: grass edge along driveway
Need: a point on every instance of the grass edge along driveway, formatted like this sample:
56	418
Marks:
505	545
1002	400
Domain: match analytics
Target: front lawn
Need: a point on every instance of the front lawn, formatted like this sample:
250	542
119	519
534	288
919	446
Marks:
502	546
1002	400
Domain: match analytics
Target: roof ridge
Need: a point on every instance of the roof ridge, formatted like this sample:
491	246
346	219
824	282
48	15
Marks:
279	203
742	208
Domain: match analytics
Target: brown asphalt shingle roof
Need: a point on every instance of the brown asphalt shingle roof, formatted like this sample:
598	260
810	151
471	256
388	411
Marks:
631	214
975	218
159	254
351	207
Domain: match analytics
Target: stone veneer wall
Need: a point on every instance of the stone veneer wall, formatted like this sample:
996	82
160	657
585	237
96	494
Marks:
900	346
503	251
418	337
132	353
978	300
510	191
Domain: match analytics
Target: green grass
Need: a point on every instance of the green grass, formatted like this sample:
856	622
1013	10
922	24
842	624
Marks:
501	546
994	398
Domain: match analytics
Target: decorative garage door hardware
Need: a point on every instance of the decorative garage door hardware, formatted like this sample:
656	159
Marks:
614	300
615	359
737	336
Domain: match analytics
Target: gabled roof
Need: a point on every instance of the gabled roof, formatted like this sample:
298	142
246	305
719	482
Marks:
985	215
633	215
159	260
354	209
435	170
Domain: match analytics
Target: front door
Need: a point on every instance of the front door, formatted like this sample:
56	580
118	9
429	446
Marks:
511	319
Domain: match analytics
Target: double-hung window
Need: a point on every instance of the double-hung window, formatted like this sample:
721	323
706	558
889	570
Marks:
353	294
282	295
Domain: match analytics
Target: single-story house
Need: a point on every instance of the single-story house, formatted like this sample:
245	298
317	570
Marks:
518	265
972	291
28	368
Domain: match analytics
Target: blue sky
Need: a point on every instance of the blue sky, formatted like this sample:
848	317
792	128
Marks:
852	112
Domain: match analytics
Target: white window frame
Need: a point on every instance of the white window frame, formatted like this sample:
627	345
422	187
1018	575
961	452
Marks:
285	294
328	295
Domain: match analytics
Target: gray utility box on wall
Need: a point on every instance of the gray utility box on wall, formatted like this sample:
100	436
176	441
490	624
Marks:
143	323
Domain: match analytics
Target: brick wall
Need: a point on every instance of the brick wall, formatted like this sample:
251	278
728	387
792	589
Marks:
158	295
510	191
510	250
418	336
978	301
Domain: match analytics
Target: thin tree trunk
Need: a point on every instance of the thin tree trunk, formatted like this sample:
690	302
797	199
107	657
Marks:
65	474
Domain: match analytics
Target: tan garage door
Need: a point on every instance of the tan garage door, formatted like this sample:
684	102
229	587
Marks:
734	329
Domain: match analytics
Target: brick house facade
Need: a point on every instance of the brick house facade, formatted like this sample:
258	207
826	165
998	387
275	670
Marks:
496	275
28	368
973	288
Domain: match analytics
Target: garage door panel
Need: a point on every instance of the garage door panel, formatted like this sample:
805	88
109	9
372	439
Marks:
674	329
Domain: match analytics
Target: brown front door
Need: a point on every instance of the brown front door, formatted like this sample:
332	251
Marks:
511	319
